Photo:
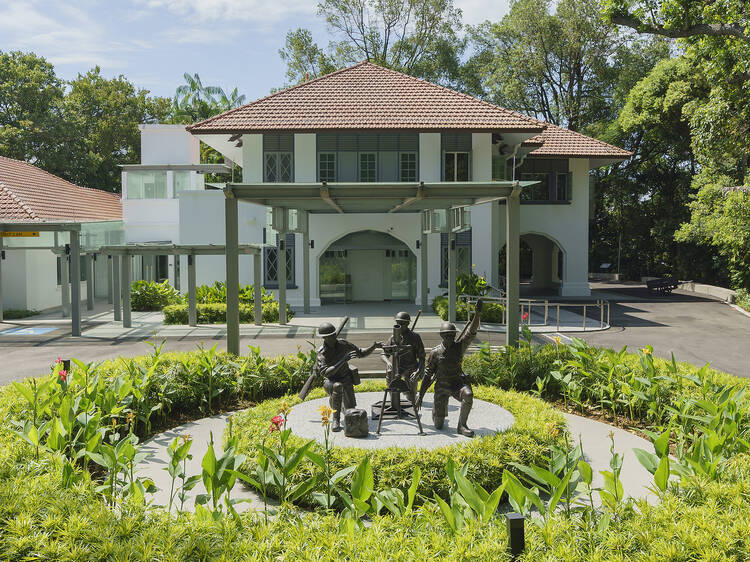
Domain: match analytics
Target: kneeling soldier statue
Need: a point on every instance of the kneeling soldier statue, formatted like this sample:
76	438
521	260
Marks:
332	363
444	368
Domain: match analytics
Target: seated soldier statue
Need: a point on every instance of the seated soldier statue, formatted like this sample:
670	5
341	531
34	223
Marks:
332	363
444	368
411	353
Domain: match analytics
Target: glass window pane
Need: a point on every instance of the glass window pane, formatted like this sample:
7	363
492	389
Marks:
270	167
408	166
327	166
181	181
450	166
285	167
135	185
462	166
367	166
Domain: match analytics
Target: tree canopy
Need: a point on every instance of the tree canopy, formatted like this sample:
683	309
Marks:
419	37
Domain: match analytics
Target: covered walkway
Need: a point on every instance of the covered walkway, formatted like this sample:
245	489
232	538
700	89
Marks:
443	206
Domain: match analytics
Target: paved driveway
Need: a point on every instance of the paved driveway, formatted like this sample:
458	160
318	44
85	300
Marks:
698	330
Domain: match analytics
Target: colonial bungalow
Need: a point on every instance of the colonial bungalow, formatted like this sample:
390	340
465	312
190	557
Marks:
43	222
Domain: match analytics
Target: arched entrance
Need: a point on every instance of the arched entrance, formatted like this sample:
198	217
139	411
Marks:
367	266
542	263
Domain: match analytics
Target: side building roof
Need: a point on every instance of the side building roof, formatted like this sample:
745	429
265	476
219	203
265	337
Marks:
28	193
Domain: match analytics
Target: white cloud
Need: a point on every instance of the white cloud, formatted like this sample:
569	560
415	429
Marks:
63	34
477	11
259	11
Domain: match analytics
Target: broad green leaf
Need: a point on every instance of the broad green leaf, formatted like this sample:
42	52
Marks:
447	513
661	476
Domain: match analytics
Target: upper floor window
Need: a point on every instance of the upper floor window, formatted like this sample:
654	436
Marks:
552	186
456	166
456	148
327	166
368	157
368	166
278	159
147	185
408	166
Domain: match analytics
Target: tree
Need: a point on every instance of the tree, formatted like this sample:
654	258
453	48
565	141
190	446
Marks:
418	37
194	102
102	116
556	67
30	103
682	18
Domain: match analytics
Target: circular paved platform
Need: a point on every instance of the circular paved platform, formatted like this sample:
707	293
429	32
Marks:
485	419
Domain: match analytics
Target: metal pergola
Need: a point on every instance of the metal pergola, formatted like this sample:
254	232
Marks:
394	197
121	255
74	229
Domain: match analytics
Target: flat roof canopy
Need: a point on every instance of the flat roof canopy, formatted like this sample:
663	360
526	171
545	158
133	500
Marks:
41	226
177	249
380	197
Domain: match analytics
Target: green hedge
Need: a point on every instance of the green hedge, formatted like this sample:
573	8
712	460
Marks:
18	314
217	313
149	295
528	441
492	311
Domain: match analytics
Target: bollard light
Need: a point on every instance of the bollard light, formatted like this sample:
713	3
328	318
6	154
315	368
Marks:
516	538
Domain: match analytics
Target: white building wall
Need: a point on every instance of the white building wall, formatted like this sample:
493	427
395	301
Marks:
42	291
305	164
483	217
566	225
168	144
14	279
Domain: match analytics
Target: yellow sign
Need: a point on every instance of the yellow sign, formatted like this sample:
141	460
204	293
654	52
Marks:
19	234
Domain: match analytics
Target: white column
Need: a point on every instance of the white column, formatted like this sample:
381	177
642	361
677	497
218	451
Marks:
127	317
512	266
75	286
258	288
192	307
65	284
281	273
116	291
306	271
424	271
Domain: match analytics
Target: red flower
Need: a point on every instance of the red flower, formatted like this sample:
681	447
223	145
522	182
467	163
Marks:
276	422
59	360
63	375
525	316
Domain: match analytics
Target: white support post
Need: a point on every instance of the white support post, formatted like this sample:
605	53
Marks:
306	270
2	257
452	254
75	283
65	284
281	270
110	292
425	277
89	282
512	264
192	307
116	294
257	289
127	317
231	221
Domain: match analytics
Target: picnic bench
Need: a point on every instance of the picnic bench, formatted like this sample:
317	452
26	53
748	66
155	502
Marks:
662	286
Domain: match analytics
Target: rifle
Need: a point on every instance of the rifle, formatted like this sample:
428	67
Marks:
311	379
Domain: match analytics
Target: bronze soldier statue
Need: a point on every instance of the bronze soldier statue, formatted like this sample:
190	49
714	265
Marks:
332	363
411	354
444	367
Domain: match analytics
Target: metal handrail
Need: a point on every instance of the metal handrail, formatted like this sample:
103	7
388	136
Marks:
528	305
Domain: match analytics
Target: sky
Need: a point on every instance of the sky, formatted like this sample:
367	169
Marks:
154	42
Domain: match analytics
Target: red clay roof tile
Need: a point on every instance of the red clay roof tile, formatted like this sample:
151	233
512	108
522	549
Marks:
366	96
28	193
556	141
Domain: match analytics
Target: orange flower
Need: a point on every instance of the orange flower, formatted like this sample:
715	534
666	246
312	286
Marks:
325	414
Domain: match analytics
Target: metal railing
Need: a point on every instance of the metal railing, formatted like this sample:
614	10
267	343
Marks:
544	313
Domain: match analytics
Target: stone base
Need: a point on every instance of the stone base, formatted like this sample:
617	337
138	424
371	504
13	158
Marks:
355	423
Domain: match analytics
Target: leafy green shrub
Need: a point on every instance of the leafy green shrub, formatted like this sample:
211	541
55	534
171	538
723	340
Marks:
471	284
149	295
217	294
742	298
527	441
217	313
493	312
18	314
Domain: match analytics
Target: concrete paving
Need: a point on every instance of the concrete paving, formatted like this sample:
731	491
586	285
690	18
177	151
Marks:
485	419
200	431
306	422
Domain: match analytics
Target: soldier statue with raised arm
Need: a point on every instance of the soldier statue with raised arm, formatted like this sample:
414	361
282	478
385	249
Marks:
444	368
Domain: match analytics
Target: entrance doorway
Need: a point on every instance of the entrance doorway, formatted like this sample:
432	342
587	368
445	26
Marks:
367	266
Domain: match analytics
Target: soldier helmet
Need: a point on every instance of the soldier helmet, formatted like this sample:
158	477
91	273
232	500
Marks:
326	329
402	317
447	328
